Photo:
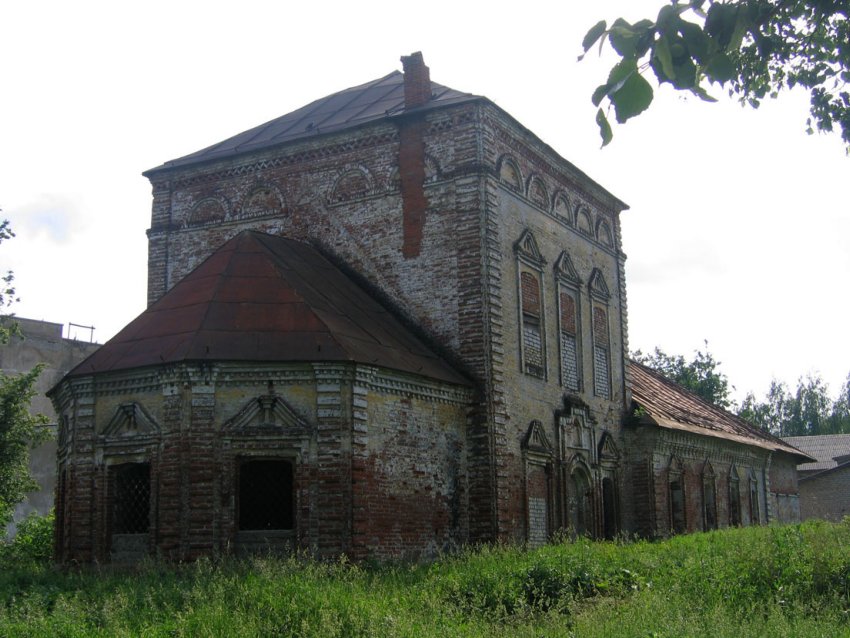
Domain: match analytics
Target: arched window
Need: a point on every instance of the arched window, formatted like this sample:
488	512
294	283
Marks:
676	484
509	174
734	498
709	497
755	508
579	503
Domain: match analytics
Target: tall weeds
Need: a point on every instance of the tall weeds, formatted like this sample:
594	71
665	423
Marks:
768	581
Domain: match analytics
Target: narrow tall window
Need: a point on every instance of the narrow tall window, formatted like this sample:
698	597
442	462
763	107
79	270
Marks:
709	498
569	342
676	496
534	362
754	499
734	498
265	495
131	497
601	354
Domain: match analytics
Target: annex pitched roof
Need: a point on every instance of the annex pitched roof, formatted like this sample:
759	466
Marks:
669	405
262	298
828	450
349	108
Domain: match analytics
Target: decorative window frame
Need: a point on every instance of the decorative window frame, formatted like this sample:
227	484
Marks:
709	484
755	502
538	454
569	283
600	300
676	475
529	260
507	160
734	496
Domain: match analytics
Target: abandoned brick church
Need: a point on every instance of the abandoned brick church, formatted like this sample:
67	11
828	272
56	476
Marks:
389	323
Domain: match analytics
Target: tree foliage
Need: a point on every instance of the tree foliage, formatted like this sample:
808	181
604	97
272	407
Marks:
701	375
19	430
753	48
808	410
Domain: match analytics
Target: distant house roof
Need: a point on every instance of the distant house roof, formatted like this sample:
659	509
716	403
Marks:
669	405
262	298
352	107
828	450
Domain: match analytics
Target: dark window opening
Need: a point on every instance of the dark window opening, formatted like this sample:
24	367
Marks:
677	506
131	498
265	495
710	504
734	502
609	508
754	502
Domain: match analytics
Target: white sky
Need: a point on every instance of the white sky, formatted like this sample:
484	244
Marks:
738	229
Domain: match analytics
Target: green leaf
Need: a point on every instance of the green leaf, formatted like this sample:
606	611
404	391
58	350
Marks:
616	78
662	54
599	94
604	128
632	98
720	68
699	43
594	34
702	94
685	76
623	38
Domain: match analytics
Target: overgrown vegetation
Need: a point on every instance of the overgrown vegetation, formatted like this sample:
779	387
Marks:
764	581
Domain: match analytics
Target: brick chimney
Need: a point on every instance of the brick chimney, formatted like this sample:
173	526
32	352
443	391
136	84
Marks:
417	80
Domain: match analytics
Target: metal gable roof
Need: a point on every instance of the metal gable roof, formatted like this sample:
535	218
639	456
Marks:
671	406
351	107
829	450
265	298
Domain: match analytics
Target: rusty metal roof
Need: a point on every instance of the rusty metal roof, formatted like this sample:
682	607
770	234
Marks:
266	298
828	450
352	107
671	406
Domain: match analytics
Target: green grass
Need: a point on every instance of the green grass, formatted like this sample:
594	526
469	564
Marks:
767	581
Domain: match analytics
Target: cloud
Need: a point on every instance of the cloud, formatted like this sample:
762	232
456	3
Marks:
55	216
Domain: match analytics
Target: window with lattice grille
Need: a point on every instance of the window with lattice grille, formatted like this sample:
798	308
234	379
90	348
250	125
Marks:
754	501
677	505
601	354
131	500
569	342
534	362
265	495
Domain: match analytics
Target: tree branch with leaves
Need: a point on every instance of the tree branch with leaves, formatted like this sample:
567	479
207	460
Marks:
752	48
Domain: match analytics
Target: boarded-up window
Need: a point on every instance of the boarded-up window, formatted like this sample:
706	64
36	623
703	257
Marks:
265	495
569	342
131	497
601	355
532	336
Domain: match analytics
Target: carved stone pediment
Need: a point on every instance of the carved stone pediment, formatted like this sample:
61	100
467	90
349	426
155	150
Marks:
130	420
265	414
535	439
526	247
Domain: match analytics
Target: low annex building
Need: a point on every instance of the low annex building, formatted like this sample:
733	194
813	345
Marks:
389	323
825	478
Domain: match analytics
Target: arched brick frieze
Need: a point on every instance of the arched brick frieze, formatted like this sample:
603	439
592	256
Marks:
584	221
509	173
354	182
209	210
561	208
603	233
263	200
537	192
